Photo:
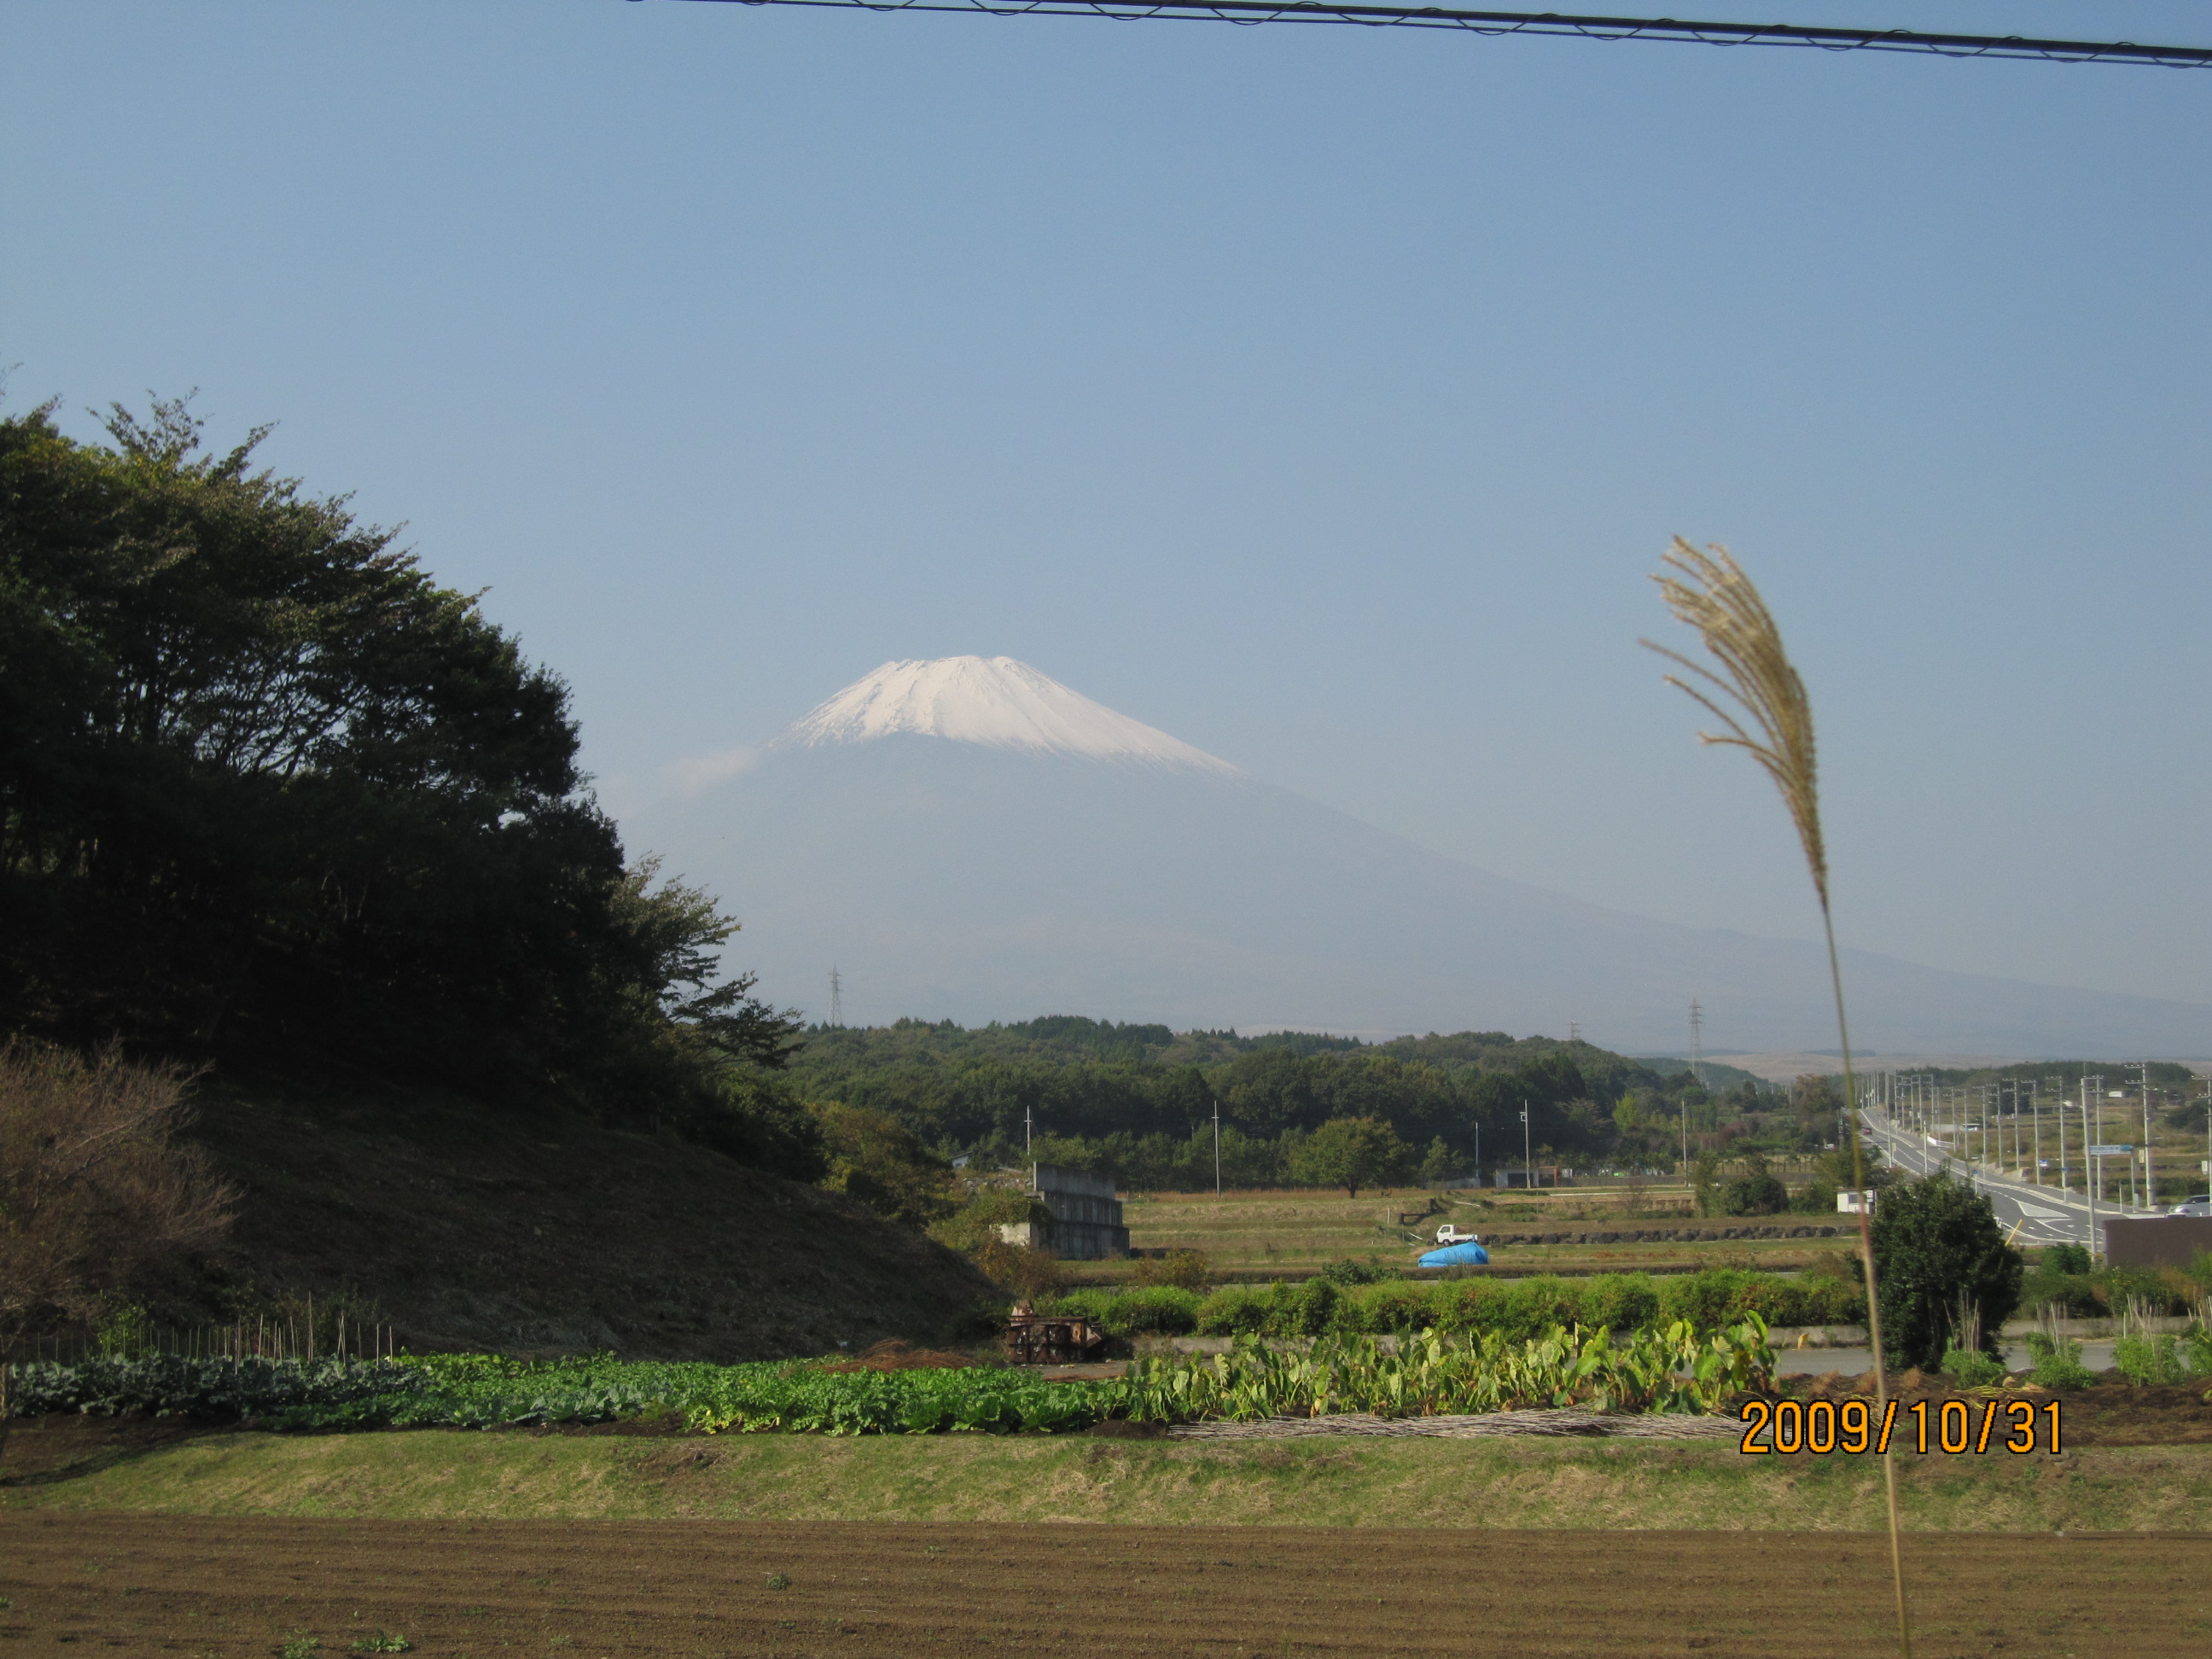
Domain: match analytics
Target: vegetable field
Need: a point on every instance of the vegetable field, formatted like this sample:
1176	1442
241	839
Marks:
1682	1368
1515	1309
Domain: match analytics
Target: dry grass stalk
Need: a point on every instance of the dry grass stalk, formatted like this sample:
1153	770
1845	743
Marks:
1757	695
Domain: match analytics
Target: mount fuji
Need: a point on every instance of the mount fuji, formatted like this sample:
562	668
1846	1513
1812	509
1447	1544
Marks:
967	838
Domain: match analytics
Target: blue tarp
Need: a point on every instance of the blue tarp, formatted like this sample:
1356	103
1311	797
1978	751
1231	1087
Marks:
1457	1255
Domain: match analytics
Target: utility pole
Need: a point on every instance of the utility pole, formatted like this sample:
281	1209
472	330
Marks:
2035	1120
2141	1068
1528	1161
2094	1165
1217	1146
1028	1127
836	999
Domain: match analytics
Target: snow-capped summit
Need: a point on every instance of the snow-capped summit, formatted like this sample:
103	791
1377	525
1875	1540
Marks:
993	700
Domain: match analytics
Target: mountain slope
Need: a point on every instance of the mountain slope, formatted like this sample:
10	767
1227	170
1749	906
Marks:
998	879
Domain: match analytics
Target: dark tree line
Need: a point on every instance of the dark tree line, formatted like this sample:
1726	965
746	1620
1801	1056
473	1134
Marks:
1139	1097
267	791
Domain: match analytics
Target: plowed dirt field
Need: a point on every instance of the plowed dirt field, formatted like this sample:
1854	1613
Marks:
235	1588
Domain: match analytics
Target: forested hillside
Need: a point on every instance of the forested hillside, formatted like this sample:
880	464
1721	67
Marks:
269	795
281	816
1138	1101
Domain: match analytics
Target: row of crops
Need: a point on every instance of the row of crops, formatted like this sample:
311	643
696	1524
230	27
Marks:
1519	1309
1679	1368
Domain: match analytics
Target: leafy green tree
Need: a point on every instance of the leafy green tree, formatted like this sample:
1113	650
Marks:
1757	1192
1351	1152
266	788
875	1158
1706	1182
1762	1193
1941	1261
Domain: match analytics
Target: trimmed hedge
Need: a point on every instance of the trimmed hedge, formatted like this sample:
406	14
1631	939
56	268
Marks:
1148	1310
1524	1308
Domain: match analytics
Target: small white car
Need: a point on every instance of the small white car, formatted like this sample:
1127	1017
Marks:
2200	1204
1449	1234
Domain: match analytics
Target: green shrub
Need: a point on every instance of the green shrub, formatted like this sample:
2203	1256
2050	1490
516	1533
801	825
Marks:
1710	1299
1151	1310
2068	1259
1310	1309
2197	1347
1093	1304
2053	1285
1239	1310
1346	1273
1970	1368
2148	1361
1937	1245
1811	1299
1187	1270
2057	1362
1755	1194
1397	1306
2048	1289
1531	1307
1622	1302
1815	1197
2147	1288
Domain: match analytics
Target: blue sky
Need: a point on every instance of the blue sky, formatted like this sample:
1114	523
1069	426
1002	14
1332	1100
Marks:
1322	396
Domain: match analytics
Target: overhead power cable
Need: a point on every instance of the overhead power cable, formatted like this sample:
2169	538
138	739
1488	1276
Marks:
1249	12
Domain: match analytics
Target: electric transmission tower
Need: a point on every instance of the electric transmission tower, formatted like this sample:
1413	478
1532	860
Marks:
1696	1042
836	998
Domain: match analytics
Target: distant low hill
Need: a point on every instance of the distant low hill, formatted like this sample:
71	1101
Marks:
470	1228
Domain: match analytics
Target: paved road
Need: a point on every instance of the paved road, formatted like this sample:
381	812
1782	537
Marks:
2032	1214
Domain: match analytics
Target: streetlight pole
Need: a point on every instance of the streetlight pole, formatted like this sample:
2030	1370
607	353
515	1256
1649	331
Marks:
2065	1173
2089	1182
2122	1094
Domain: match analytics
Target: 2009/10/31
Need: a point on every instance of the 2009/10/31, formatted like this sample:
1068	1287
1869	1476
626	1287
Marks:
1822	1426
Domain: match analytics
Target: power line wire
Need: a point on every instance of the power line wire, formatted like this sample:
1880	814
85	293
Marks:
1248	13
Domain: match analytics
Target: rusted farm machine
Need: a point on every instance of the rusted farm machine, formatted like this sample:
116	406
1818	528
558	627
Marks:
1036	1339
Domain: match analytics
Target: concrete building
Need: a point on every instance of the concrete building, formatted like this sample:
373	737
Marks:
1086	1216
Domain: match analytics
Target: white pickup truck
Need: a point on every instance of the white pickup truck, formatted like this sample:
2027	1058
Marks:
1449	1234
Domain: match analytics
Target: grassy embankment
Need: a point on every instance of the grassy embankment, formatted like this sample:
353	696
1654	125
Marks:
1332	1482
1290	1234
469	1226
